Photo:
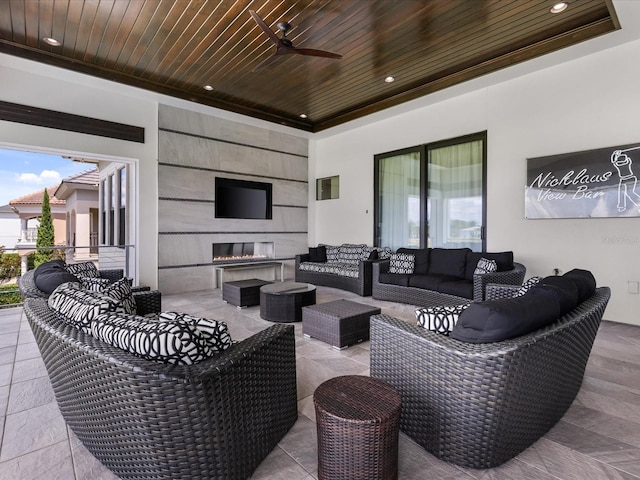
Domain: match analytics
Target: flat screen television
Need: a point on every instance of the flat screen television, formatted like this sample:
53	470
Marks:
242	199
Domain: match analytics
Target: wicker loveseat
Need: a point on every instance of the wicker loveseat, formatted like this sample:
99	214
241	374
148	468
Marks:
347	267
443	277
480	404
216	419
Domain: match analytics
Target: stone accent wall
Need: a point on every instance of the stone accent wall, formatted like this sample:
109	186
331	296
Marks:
193	149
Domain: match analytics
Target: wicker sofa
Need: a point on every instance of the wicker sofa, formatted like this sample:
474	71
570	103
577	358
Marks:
147	300
480	404
443	277
347	267
216	419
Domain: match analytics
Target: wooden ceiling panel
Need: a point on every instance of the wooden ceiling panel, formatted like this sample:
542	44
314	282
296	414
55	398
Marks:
178	47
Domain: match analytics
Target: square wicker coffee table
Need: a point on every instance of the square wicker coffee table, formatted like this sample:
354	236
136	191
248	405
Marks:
340	323
243	293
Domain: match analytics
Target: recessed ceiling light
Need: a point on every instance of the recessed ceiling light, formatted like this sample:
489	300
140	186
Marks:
559	7
303	115
52	41
389	79
208	87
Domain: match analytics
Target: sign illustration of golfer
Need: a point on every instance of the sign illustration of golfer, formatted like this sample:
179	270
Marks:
595	183
628	180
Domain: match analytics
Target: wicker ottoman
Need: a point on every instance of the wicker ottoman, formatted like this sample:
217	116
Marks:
357	421
243	293
283	302
340	323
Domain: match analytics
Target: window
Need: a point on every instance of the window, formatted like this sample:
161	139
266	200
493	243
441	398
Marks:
328	188
397	202
432	195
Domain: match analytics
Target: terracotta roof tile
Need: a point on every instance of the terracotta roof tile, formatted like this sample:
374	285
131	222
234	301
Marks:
35	198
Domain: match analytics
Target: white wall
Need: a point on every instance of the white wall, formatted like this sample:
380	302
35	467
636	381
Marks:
587	103
30	84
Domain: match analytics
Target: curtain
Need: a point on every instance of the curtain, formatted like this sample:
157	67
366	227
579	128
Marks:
454	197
399	196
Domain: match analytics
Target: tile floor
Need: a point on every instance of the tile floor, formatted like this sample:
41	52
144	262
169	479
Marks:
599	437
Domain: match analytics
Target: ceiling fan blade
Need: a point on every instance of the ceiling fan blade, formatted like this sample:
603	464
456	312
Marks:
265	28
315	53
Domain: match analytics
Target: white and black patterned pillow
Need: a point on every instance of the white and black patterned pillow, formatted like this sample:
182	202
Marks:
533	281
78	307
349	253
84	269
175	342
215	332
384	252
121	292
485	266
95	284
440	319
402	263
332	253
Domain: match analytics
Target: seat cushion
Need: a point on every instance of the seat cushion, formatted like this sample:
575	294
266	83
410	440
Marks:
498	320
448	261
428	282
49	275
394	279
459	288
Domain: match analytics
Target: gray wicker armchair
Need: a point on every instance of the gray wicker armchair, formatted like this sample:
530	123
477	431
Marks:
479	405
217	419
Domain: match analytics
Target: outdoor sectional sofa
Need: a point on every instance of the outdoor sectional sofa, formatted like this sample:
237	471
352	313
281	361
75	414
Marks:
347	266
215	419
480	404
442	276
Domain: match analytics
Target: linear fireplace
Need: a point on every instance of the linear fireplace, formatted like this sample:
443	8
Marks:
232	252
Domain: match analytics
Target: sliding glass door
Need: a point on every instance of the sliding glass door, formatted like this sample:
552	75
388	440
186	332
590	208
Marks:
398	208
432	195
455	194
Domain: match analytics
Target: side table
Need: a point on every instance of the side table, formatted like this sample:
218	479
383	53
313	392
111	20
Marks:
283	302
358	420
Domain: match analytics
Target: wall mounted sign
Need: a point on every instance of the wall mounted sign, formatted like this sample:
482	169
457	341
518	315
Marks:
594	183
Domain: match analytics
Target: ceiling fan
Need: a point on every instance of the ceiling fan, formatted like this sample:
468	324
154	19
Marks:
284	45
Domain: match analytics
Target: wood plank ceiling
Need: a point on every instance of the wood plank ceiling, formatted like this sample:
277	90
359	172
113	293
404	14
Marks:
178	47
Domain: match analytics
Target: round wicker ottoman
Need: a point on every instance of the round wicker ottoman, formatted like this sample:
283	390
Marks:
358	419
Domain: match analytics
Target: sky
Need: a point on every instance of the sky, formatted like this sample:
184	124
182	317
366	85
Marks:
23	172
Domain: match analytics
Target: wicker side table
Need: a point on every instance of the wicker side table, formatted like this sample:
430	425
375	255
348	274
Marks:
340	323
357	420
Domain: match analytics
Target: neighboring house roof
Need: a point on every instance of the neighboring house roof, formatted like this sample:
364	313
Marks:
87	180
7	212
36	198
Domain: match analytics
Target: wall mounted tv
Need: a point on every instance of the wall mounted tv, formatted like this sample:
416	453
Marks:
243	199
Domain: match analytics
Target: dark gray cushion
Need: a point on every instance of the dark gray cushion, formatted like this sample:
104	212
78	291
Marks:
49	275
503	259
394	279
318	254
448	261
563	289
459	288
422	258
498	320
584	280
427	282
